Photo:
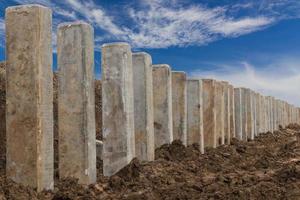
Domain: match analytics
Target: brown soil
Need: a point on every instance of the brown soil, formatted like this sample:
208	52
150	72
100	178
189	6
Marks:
266	168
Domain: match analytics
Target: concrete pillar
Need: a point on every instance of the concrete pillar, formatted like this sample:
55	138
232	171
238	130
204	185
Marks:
143	106
270	110
268	114
250	118
179	106
281	113
226	111
257	113
118	107
273	114
162	101
76	102
220	127
238	113
232	112
298	114
244	114
29	96
209	113
265	107
195	113
261	115
276	114
253	102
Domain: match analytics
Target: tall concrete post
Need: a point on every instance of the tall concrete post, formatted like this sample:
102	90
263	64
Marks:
226	111
29	96
270	114
262	114
273	114
250	118
209	113
257	113
195	113
244	114
219	99
232	111
253	102
162	101
143	106
267	103
118	107
238	113
76	102
179	106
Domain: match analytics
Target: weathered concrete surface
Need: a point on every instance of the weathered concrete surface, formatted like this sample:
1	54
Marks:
276	114
118	107
261	114
272	114
244	114
226	111
258	113
238	113
143	106
267	127
179	106
76	102
270	110
253	105
29	95
162	101
219	99
195	113
249	105
2	109
209	113
232	111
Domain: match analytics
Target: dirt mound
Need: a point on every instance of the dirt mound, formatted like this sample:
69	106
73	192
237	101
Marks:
294	127
177	151
266	168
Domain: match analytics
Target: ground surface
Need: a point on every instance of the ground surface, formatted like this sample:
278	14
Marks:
267	168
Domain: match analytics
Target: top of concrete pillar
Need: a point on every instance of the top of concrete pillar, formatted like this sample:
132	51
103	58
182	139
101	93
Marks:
76	23
208	79
194	79
162	66
141	54
225	82
179	72
115	44
25	7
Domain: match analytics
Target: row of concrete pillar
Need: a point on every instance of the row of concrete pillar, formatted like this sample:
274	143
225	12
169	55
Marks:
143	106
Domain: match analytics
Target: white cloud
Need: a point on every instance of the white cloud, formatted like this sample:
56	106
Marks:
280	78
242	26
162	25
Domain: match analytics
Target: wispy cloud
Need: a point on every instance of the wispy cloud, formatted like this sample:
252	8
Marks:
280	78
162	25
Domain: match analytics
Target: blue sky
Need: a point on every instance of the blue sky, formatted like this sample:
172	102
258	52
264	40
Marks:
249	43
